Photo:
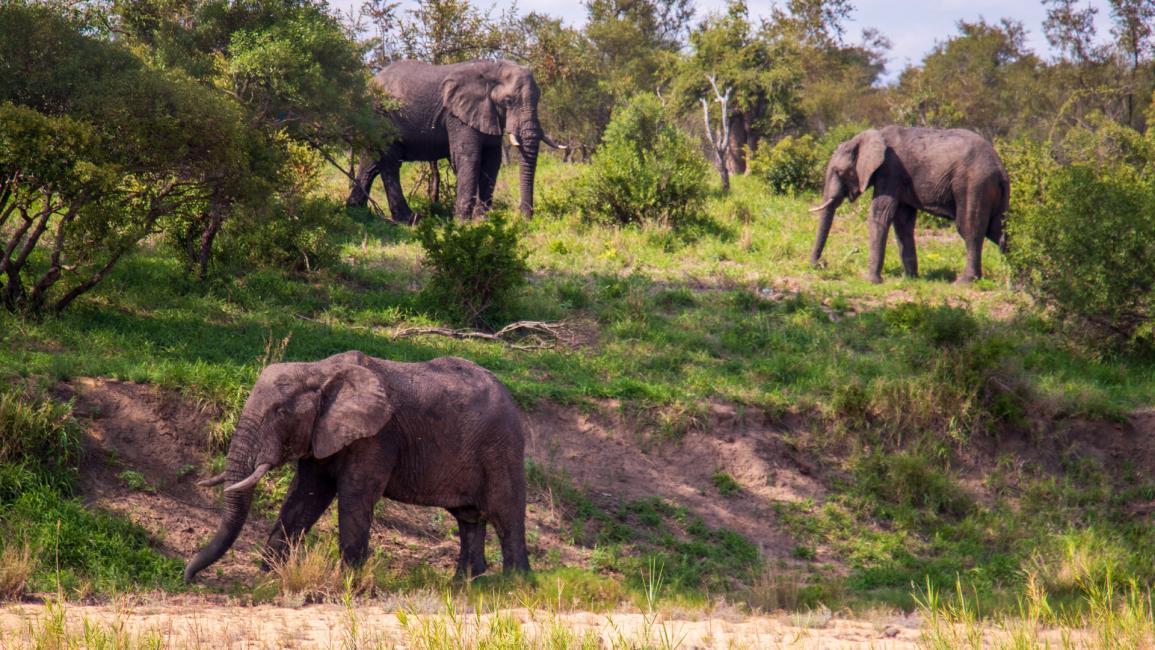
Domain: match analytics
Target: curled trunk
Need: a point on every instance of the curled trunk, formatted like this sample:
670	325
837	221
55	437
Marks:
240	465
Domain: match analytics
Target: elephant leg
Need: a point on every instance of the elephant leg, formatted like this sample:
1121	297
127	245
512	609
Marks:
309	495
367	170
507	489
882	210
972	226
904	220
390	167
471	530
487	180
357	492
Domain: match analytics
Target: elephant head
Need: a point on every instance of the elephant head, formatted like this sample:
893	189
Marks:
294	410
848	174
495	97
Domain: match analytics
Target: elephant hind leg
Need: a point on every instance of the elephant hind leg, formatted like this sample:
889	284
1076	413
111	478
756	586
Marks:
507	512
471	531
972	220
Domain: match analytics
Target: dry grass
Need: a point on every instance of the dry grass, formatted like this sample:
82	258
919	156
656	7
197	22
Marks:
17	562
311	574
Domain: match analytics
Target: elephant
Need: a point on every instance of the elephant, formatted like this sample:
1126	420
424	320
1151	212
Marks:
459	112
953	173
440	433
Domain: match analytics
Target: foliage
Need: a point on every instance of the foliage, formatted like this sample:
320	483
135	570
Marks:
646	170
1087	249
475	268
96	151
789	166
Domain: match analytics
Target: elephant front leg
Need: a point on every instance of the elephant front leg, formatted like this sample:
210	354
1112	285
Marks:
882	210
904	221
309	496
390	167
471	530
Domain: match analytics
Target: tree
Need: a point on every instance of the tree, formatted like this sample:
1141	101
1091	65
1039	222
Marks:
1133	31
984	79
97	151
763	73
289	63
575	106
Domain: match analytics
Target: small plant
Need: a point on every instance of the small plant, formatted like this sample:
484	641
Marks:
646	170
474	268
306	574
134	480
17	563
726	484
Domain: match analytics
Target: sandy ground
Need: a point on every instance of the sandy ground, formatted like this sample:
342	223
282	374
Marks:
382	626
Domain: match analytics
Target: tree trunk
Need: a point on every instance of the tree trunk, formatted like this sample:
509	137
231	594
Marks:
739	137
434	182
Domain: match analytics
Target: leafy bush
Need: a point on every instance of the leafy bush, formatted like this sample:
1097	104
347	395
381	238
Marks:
474	268
646	170
295	232
793	165
1082	231
789	166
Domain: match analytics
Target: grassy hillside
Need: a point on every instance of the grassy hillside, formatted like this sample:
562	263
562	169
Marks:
938	418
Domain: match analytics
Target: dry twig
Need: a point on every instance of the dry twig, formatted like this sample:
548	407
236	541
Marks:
522	335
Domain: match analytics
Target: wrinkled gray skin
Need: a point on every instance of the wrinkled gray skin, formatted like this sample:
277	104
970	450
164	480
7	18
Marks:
951	173
443	433
460	112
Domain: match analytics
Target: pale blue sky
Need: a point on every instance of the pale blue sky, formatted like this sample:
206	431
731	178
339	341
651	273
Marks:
913	26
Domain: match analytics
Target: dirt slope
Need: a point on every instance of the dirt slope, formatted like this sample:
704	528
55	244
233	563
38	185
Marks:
606	453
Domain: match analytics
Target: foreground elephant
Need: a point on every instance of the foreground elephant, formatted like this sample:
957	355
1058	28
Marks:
458	112
443	433
951	173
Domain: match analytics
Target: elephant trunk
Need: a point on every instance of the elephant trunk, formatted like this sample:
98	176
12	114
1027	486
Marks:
529	136
241	464
832	197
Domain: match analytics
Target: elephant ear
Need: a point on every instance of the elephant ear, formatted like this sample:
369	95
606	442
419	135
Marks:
465	93
354	405
871	153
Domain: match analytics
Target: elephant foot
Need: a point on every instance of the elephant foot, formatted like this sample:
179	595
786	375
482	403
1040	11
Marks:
966	278
817	263
874	278
464	574
410	220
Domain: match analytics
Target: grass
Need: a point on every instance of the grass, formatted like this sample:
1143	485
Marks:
897	384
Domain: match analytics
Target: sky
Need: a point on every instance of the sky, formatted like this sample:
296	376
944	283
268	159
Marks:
913	26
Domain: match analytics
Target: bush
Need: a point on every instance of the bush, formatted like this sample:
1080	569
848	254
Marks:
794	165
296	232
646	170
1084	245
790	166
474	268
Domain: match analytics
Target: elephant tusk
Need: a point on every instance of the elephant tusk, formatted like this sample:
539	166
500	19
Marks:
251	480
216	480
545	139
513	140
820	208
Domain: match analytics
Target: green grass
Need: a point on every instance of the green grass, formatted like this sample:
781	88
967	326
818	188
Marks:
897	382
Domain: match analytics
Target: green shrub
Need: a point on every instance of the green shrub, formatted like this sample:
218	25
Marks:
789	166
39	441
798	164
646	170
294	232
474	268
1086	248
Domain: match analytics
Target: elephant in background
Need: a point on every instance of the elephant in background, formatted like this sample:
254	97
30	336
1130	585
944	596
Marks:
442	433
460	112
951	173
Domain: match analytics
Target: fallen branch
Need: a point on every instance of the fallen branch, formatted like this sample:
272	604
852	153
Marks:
531	335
